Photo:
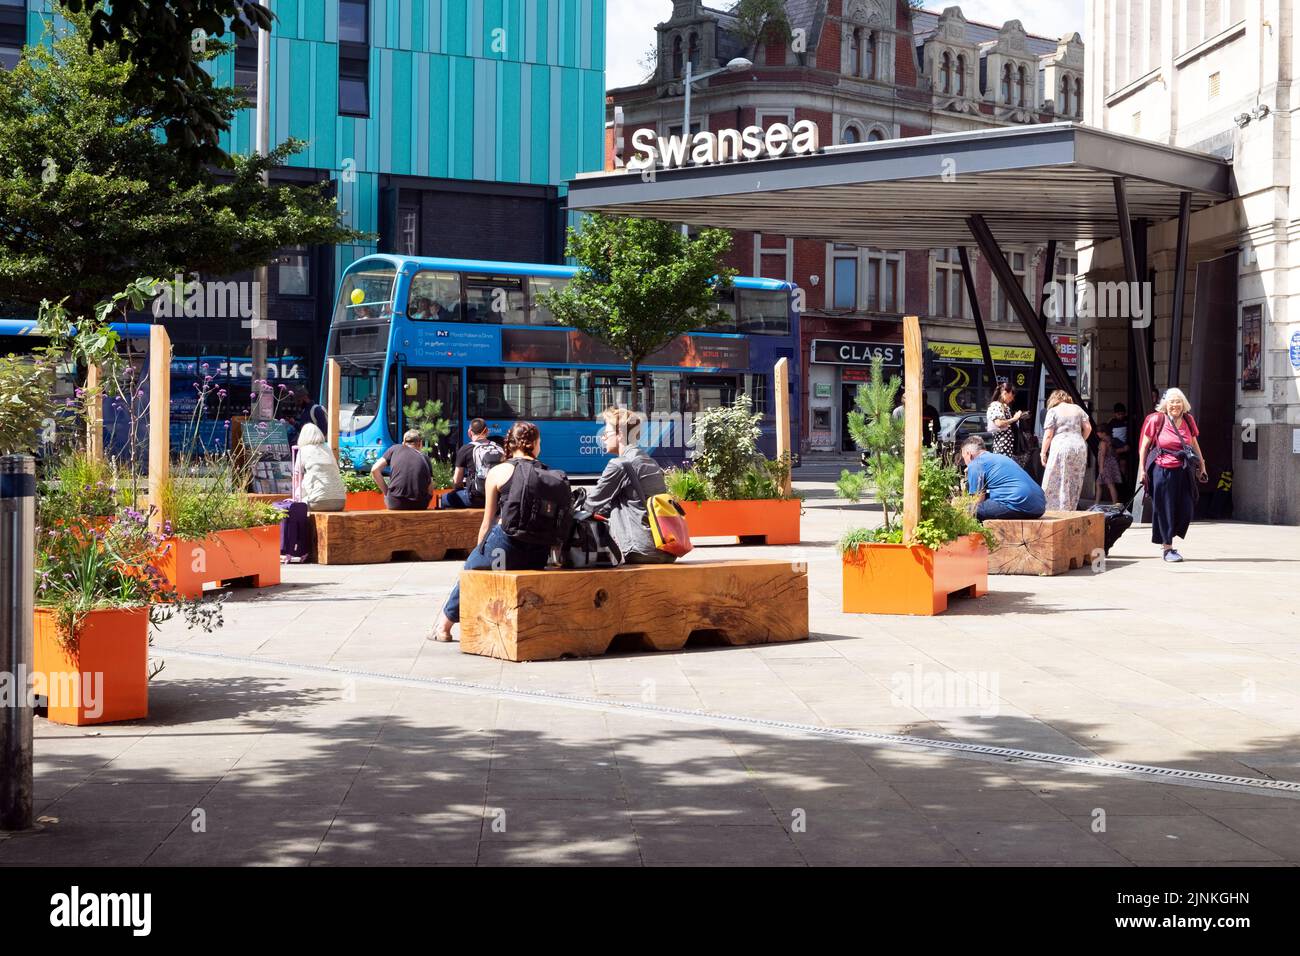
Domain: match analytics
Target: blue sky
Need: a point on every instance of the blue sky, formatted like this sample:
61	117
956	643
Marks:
631	26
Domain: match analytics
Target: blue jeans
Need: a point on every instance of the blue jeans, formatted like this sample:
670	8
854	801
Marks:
497	553
458	499
991	510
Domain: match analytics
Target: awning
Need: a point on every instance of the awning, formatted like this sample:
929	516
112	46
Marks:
1031	184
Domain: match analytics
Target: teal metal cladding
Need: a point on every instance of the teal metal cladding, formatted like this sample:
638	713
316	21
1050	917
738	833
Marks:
493	90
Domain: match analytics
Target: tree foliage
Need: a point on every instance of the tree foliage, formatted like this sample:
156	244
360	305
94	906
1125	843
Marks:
879	435
165	39
760	20
94	196
641	284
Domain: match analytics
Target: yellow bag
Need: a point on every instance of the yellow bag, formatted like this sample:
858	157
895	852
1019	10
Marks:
666	516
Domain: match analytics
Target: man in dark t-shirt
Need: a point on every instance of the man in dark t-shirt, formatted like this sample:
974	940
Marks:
409	486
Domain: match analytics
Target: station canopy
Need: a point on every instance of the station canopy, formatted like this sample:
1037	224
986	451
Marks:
1030	184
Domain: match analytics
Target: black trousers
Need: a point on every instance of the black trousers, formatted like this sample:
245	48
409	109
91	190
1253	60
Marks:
1171	504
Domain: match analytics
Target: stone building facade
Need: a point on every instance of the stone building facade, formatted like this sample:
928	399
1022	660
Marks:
1219	77
868	70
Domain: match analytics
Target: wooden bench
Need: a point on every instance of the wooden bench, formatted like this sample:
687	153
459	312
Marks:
1057	542
375	537
544	615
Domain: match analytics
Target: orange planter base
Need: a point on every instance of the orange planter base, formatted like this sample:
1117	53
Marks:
252	554
775	521
374	501
897	579
105	680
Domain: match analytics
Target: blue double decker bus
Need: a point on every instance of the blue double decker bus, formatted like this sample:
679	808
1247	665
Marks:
475	336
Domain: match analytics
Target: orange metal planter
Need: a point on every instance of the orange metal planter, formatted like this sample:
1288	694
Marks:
374	501
222	556
897	579
777	520
105	679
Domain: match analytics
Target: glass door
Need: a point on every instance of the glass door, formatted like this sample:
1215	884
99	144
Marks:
424	384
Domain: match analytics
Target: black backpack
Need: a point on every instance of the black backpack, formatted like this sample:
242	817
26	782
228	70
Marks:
590	543
538	505
486	455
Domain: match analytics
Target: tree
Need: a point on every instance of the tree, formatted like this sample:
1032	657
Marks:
879	434
641	284
166	40
759	20
94	196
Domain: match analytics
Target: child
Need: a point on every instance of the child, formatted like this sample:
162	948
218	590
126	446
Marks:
1107	464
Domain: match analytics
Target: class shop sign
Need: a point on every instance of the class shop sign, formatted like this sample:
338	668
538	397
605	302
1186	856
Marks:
707	148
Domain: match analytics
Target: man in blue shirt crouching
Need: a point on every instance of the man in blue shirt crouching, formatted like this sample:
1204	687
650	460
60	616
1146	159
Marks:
1008	490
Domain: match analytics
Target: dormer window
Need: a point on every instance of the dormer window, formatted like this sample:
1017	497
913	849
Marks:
961	75
677	56
694	52
1078	96
1063	97
1020	87
945	73
1006	84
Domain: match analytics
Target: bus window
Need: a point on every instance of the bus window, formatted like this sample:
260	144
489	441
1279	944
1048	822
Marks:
756	389
495	300
537	314
435	297
665	393
727	304
529	393
376	299
763	313
700	394
358	396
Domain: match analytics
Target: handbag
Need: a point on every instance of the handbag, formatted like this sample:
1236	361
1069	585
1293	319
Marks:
666	517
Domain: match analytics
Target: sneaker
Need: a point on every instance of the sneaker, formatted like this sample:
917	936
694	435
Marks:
1173	556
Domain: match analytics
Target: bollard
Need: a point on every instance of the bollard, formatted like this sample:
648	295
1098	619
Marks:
17	589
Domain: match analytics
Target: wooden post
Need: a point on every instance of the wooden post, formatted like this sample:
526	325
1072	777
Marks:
333	400
781	382
160	390
912	408
94	415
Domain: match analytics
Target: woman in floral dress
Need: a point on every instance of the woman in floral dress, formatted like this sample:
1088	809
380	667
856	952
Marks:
1065	451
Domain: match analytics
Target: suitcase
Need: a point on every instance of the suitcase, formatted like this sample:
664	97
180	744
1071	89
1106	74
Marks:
1118	520
295	534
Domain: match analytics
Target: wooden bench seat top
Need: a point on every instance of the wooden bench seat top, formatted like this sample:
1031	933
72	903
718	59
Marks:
374	537
1057	542
544	615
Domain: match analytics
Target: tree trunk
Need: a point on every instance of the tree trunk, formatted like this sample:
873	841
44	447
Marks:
634	390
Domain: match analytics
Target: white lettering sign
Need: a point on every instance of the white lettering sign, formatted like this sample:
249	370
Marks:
729	145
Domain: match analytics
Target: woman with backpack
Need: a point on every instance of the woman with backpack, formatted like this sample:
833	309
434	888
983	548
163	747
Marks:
1172	466
525	514
632	478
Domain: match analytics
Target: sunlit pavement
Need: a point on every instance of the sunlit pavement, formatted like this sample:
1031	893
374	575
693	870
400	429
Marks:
316	752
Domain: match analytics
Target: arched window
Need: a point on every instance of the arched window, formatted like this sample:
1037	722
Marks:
694	52
961	74
1020	86
1078	96
875	136
1006	84
869	56
1063	97
945	73
677	56
851	134
855	52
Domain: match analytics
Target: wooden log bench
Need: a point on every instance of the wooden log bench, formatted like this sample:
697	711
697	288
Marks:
1057	542
375	537
545	615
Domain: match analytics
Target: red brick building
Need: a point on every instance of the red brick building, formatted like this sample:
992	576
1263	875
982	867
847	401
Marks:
867	70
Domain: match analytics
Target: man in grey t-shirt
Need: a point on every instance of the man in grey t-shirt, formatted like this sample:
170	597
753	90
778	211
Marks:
616	495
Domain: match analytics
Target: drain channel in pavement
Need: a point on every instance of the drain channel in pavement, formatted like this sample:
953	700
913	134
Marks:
1175	775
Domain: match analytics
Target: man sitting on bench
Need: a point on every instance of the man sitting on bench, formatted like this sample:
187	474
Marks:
410	479
1007	489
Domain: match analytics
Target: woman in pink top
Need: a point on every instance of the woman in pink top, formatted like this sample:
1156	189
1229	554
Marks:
1169	437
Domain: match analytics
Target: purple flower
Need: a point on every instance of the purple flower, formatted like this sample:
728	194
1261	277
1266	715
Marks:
222	393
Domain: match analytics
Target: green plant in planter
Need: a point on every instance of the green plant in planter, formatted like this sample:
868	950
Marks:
427	419
26	385
210	498
356	480
946	513
726	443
686	484
83	567
77	486
443	471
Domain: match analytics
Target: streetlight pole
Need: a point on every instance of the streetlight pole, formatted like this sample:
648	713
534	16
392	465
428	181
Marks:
738	65
262	329
17	591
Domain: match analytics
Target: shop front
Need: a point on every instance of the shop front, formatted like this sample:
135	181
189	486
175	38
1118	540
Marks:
957	379
836	369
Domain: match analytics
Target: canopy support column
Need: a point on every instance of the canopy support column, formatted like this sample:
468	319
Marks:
1020	304
1132	274
972	296
1049	279
1180	289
